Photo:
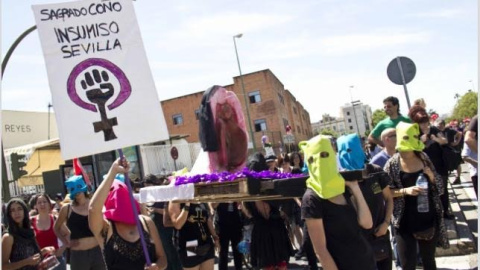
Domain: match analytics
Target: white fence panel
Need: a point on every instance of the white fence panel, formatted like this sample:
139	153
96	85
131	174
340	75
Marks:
157	160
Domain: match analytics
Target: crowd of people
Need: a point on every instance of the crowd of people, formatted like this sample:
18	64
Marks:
339	223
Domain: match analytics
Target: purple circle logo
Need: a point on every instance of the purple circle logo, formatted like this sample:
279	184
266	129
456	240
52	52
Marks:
125	87
99	89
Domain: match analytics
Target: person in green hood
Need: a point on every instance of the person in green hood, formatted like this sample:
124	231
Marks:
334	215
411	227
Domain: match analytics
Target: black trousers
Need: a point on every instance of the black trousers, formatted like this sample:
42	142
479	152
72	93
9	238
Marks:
227	235
444	197
407	250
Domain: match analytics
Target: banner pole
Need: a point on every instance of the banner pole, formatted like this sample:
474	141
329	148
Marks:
135	213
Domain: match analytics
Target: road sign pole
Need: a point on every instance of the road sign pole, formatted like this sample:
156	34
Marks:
399	63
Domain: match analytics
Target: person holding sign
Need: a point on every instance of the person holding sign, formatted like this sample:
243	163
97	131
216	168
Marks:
116	230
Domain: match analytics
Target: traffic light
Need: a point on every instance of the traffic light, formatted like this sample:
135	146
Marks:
17	165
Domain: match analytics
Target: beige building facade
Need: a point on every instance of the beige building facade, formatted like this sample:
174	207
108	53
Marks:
23	127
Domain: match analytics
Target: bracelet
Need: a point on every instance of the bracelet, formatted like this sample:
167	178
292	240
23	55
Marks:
186	208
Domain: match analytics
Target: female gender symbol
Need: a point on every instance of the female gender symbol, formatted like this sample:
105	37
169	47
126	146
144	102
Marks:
99	90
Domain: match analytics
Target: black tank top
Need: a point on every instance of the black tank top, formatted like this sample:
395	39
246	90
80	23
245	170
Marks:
195	228
23	248
78	225
121	254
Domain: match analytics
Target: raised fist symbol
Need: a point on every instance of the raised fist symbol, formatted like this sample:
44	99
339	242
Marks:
97	87
99	91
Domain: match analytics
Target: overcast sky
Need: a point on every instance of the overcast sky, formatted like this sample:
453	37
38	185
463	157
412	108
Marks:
317	49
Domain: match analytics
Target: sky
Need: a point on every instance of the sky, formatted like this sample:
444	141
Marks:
318	49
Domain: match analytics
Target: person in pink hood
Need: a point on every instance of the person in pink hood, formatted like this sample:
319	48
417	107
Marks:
116	230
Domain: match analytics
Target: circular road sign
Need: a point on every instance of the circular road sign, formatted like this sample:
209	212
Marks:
401	70
174	153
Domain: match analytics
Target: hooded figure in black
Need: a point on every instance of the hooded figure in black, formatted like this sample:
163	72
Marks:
270	245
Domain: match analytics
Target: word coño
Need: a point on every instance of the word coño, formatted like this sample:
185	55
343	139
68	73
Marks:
92	9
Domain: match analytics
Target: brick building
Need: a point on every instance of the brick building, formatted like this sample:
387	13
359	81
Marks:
271	108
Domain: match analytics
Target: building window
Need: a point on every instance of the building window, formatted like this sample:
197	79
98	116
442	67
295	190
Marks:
351	127
349	120
348	113
298	129
280	98
285	122
254	97
260	125
294	110
177	119
334	128
197	114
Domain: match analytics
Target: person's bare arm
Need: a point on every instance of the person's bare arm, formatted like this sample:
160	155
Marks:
363	212
316	231
471	141
457	138
177	215
59	227
372	139
96	222
387	197
7	244
160	252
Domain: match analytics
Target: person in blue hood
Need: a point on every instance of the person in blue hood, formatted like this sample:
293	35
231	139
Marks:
376	191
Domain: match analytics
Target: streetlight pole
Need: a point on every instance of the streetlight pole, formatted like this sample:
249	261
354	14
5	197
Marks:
353	107
244	94
49	106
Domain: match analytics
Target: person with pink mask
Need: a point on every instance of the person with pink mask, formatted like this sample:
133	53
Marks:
116	230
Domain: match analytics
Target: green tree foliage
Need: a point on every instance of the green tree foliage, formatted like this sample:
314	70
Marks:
466	106
328	131
377	116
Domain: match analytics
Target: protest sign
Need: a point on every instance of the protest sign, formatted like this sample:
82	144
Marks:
102	88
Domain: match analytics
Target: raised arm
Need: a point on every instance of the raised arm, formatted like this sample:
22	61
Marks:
177	215
95	215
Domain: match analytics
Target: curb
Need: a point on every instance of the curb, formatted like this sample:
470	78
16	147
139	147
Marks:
460	237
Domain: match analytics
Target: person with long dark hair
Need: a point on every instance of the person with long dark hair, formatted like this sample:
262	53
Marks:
435	144
427	227
20	249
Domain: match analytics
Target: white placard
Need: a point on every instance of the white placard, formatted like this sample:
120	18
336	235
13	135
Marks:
102	87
